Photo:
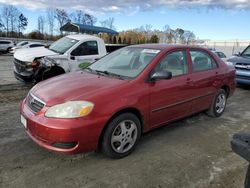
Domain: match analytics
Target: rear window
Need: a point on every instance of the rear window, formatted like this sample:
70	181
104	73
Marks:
5	42
36	45
201	61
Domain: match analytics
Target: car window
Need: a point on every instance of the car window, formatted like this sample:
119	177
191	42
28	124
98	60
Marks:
127	62
201	61
175	62
246	52
23	43
63	45
5	42
221	55
35	45
86	48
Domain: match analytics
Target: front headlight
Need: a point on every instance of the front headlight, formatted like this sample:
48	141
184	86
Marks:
70	109
229	63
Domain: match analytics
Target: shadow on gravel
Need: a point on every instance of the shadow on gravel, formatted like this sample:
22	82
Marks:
243	86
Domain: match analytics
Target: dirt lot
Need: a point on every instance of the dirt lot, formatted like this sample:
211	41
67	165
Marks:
194	152
191	153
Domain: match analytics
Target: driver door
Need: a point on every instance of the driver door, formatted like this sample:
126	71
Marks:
171	99
85	54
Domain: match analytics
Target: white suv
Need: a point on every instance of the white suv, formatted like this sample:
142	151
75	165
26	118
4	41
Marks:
6	45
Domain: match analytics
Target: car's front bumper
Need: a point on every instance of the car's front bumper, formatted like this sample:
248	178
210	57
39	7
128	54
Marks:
243	76
62	135
22	74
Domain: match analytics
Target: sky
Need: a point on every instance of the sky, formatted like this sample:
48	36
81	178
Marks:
208	19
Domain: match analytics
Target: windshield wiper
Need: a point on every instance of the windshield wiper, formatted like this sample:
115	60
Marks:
110	74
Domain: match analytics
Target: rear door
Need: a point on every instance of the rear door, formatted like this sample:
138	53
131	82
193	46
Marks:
204	76
171	99
85	54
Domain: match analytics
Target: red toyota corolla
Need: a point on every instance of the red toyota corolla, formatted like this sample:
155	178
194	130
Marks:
131	91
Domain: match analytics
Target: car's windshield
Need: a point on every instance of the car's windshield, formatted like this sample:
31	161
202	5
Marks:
246	52
62	45
22	43
127	62
220	54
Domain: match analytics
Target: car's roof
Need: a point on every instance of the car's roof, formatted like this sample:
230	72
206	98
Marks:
165	46
6	40
83	37
34	43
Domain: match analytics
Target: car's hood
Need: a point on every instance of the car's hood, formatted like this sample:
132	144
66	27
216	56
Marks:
29	54
239	59
74	86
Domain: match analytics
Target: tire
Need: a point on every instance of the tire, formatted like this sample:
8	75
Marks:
218	105
8	50
121	136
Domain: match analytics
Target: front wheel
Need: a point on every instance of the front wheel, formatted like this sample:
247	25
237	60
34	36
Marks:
121	135
8	50
219	104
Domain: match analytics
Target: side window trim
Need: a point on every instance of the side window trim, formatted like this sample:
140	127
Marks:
185	52
97	48
202	51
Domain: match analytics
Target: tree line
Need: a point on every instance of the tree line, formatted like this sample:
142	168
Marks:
13	24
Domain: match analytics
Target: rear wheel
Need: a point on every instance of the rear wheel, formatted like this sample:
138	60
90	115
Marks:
121	135
219	104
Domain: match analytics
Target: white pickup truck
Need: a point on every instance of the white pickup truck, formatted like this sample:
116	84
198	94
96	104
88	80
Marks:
70	53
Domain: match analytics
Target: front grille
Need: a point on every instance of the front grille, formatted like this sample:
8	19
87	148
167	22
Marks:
20	65
34	103
242	66
243	77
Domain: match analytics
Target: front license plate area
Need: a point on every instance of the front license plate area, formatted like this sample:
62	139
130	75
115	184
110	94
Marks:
24	121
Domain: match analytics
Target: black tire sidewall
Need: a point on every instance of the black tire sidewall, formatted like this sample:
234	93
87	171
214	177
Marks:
106	141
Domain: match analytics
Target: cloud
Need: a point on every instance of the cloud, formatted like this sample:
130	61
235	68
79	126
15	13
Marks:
128	6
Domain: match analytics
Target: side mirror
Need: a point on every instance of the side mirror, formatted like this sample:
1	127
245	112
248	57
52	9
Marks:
162	75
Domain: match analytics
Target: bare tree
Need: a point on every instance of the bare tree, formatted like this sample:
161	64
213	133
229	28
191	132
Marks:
14	17
40	24
188	36
77	16
167	31
51	20
109	23
6	18
11	19
89	19
83	18
62	17
22	23
1	25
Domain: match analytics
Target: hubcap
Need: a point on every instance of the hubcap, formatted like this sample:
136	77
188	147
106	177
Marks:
124	136
220	103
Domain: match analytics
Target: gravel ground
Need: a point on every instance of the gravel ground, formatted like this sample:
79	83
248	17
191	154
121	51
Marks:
194	152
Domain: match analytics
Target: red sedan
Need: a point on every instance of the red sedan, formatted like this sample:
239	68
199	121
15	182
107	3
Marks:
110	104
